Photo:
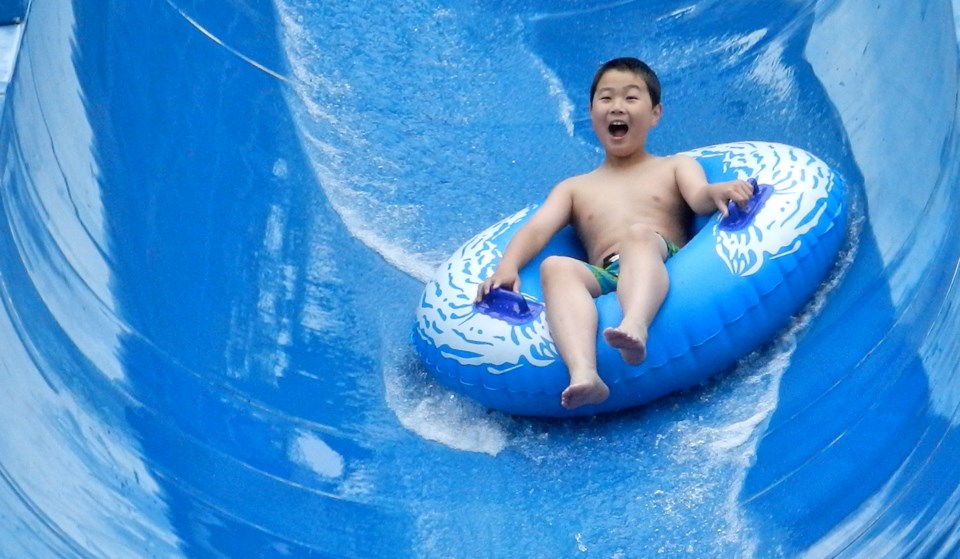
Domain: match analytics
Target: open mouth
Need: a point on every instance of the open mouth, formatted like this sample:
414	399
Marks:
618	128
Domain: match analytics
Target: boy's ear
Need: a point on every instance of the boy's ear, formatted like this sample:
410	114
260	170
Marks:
657	113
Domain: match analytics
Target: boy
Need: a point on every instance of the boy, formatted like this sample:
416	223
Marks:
631	214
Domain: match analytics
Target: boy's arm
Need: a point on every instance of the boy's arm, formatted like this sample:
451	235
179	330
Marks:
704	197
555	213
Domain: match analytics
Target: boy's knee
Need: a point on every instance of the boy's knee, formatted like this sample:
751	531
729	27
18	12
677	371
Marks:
566	276
558	271
552	267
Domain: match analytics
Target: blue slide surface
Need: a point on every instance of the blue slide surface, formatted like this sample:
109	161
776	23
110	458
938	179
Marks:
218	217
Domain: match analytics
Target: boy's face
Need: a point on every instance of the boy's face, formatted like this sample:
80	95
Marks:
622	113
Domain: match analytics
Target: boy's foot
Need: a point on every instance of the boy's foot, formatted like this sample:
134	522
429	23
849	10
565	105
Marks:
584	393
632	348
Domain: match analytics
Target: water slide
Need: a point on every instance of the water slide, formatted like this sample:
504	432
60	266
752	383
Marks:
218	217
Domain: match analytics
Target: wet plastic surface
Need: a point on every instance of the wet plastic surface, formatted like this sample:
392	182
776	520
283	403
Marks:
218	217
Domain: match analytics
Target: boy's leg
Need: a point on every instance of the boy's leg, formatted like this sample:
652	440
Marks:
641	290
569	289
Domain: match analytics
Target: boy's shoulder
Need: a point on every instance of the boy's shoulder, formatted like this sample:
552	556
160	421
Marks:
676	163
578	181
682	159
677	159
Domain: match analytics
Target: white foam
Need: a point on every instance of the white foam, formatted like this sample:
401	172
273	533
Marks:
369	220
709	452
557	92
422	407
769	70
438	415
737	46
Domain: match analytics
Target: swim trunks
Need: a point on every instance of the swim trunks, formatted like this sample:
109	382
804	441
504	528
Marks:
608	275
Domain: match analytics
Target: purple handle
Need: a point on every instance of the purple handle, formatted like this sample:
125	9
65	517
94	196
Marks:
508	306
733	209
738	218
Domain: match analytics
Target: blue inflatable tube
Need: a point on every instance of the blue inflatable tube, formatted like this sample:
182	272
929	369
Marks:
733	287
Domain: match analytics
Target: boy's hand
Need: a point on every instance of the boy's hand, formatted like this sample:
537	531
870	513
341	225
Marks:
506	279
737	191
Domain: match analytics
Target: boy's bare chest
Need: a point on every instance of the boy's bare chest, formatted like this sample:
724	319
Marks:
622	200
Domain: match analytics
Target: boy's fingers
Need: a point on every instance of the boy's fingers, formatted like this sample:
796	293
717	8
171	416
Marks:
484	289
722	206
481	292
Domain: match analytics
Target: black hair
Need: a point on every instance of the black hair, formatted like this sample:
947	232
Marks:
630	64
